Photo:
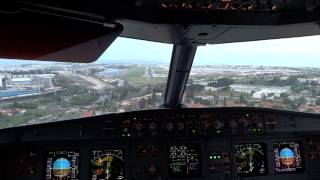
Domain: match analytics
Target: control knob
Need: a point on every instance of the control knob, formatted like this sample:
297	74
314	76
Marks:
180	126
169	126
152	126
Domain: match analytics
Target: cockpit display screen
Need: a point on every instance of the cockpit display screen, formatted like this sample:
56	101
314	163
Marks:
288	157
62	165
108	164
251	159
184	161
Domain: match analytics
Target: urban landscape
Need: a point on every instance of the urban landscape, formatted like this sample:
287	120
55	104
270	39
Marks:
38	93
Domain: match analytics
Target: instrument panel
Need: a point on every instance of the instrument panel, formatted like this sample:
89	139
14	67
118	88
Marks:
218	143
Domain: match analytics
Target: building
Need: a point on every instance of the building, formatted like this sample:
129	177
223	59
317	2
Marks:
14	93
260	92
209	98
270	92
283	78
42	81
209	88
244	88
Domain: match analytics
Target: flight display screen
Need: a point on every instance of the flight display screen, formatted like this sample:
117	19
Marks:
251	159
62	165
108	164
184	161
288	157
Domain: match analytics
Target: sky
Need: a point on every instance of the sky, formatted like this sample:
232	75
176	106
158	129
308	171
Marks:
297	52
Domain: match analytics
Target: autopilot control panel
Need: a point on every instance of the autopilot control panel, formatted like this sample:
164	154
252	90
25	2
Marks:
167	144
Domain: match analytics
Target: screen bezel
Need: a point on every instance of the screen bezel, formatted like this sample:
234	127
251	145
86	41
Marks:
104	149
300	170
264	148
46	156
199	173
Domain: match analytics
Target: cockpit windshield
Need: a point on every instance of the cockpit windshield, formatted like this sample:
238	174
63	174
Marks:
130	75
280	74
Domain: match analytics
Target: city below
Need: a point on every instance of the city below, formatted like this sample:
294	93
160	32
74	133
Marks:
38	93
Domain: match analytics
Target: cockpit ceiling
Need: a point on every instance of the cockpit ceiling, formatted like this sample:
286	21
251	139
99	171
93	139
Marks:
173	21
214	34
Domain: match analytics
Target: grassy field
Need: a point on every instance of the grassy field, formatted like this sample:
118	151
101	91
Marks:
21	119
137	77
160	70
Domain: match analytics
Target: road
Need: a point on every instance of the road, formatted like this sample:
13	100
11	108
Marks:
90	81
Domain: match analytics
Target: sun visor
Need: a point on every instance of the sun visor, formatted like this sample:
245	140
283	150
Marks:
37	36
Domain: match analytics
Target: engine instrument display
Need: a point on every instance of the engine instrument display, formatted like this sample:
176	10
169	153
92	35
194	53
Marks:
184	161
108	164
62	165
251	159
24	163
288	157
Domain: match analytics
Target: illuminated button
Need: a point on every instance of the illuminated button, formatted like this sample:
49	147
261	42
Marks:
275	7
125	130
152	170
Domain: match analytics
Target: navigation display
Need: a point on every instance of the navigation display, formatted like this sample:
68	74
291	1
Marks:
108	164
288	157
62	165
184	161
251	159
